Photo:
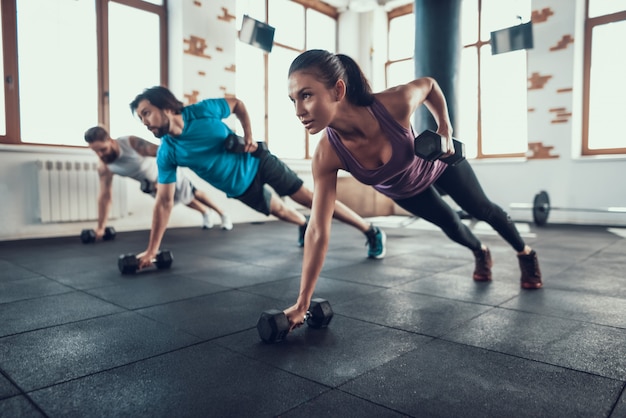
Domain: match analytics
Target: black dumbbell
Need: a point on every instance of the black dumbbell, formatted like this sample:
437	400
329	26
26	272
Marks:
89	235
273	325
129	263
148	186
236	144
429	145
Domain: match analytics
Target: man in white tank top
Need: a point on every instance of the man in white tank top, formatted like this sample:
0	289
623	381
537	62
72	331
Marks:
131	156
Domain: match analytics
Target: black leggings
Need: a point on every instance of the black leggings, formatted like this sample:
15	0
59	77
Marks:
461	184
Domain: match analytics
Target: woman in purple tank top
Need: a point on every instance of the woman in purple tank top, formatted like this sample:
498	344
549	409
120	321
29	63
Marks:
370	136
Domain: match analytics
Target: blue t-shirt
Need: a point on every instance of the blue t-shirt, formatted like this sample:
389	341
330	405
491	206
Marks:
201	148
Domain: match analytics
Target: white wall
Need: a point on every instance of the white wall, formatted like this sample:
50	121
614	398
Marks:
571	180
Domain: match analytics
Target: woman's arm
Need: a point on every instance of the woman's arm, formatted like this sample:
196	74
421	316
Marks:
402	102
325	166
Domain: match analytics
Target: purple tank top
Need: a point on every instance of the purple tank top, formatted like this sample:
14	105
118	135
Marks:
405	174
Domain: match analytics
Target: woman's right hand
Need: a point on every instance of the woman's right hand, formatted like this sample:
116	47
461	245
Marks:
296	316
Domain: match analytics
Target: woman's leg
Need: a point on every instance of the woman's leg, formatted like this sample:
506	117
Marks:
461	184
430	206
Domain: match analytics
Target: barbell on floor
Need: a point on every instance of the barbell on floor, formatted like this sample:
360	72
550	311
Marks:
541	208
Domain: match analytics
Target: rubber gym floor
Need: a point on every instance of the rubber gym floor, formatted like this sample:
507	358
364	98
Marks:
412	334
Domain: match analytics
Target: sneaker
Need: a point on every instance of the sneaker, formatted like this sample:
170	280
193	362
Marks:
227	224
301	231
207	222
376	239
531	275
482	271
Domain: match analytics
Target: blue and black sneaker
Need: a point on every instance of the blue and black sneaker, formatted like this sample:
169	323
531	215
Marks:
376	239
301	231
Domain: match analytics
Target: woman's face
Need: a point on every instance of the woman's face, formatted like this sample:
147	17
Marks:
315	105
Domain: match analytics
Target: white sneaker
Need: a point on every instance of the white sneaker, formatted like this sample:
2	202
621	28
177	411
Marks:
207	222
226	223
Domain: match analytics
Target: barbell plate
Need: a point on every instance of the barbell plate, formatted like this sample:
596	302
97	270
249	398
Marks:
541	208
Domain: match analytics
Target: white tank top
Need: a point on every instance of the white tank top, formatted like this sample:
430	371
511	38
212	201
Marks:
132	164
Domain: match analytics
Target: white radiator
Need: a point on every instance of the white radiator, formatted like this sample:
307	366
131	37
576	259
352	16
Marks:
68	191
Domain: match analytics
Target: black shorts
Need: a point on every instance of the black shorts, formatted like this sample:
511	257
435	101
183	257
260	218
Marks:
278	176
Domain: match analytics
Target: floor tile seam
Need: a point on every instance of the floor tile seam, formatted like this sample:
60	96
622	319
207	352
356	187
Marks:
354	282
586	372
62	324
21	392
392	327
280	414
267	363
368	400
440	297
34	298
567	318
29	400
118	366
617	401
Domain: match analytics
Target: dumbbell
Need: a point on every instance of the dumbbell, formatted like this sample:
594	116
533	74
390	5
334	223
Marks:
236	144
429	145
148	186
273	325
129	263
89	235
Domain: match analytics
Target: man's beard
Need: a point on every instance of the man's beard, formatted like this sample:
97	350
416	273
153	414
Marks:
109	158
160	130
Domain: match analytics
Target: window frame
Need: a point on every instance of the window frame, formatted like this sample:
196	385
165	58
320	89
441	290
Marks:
590	24
392	14
320	7
11	70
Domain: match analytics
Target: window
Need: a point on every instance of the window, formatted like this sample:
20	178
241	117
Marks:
262	77
76	71
500	79
492	116
400	68
604	91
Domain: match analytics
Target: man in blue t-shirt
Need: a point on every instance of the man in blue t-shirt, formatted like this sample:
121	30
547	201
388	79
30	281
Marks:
193	136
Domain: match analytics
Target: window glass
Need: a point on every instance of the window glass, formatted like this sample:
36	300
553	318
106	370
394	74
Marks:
499	14
287	18
495	84
58	70
3	125
400	72
469	21
402	37
504	109
250	87
133	67
607	94
605	7
286	133
250	75
321	32
467	91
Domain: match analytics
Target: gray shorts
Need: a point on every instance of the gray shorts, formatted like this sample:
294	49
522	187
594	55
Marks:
274	173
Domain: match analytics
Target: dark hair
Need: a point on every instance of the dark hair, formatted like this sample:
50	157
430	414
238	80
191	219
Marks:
328	68
96	133
160	97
